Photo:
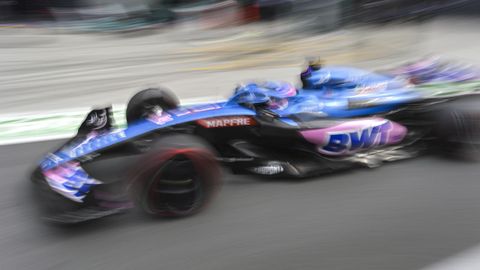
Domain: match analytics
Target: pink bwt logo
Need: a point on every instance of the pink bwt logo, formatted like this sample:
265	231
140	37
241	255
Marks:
350	137
356	140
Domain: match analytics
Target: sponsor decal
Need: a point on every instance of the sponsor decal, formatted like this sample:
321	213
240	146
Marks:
54	158
232	121
78	150
70	180
311	106
196	109
204	108
160	119
344	142
51	160
368	89
182	112
93	143
270	168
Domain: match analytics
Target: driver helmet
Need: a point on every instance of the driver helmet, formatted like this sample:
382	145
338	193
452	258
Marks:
274	94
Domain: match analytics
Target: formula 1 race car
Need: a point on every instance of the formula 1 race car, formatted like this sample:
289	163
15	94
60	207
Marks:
167	160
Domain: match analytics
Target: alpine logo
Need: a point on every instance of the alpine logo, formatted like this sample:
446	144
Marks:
221	122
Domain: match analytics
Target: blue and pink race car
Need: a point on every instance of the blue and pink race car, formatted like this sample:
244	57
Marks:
167	161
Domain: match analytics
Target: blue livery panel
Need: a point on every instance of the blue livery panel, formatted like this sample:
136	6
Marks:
173	117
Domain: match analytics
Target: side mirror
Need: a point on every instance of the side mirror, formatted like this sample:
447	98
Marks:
98	120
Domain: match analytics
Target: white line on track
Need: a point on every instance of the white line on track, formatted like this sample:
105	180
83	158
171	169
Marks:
37	139
465	260
26	127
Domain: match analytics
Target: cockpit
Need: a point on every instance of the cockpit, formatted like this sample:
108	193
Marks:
272	94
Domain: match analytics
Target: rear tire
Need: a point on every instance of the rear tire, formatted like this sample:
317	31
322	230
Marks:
458	128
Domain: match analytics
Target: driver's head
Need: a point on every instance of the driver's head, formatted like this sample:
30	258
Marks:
277	103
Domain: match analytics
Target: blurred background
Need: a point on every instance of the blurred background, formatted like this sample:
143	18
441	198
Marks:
80	51
61	57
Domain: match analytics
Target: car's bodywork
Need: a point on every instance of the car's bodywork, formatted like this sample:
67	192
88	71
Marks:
342	117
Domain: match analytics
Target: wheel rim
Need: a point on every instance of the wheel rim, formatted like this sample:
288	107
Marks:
176	188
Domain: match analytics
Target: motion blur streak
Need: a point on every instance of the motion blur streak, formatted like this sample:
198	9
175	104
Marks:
60	55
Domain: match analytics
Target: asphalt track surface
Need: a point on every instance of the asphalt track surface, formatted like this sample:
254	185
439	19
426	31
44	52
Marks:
404	215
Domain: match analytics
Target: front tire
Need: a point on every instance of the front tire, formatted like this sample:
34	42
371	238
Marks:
146	101
177	178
